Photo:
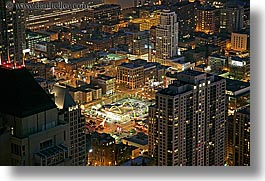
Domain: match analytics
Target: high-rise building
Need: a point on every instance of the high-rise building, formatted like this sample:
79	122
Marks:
30	131
141	42
242	137
187	123
237	99
231	17
70	112
207	19
186	17
12	32
239	41
166	36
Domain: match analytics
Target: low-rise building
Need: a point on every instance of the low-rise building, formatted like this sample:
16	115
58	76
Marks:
74	51
81	96
47	85
140	161
45	49
217	63
138	72
130	75
103	149
139	140
125	152
239	67
107	83
179	63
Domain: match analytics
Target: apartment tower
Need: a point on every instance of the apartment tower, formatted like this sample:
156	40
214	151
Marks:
187	122
166	36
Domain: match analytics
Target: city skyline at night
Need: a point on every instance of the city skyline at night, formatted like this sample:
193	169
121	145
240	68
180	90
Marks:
125	83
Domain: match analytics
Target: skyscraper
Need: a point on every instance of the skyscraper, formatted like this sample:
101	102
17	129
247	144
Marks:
70	112
232	17
187	123
12	32
166	36
242	137
207	19
30	132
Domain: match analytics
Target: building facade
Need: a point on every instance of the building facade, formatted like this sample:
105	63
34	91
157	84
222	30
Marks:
130	75
12	33
107	83
166	36
242	137
207	20
103	149
187	123
30	133
231	18
239	41
70	112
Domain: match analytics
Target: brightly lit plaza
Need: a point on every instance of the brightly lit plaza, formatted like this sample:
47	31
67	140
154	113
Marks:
119	118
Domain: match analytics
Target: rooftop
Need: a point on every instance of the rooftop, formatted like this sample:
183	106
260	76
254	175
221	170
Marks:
240	59
62	97
21	95
140	138
217	56
236	85
192	73
130	65
105	77
75	48
138	161
76	60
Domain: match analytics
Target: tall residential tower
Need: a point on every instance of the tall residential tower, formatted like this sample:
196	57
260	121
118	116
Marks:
166	36
187	123
12	31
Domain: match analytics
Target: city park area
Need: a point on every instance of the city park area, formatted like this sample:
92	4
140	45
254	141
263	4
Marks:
122	118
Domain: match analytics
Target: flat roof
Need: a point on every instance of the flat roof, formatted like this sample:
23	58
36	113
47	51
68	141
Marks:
217	56
236	85
192	72
105	77
240	59
140	138
75	48
139	161
130	65
76	60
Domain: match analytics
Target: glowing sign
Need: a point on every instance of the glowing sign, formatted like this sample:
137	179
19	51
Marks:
237	63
